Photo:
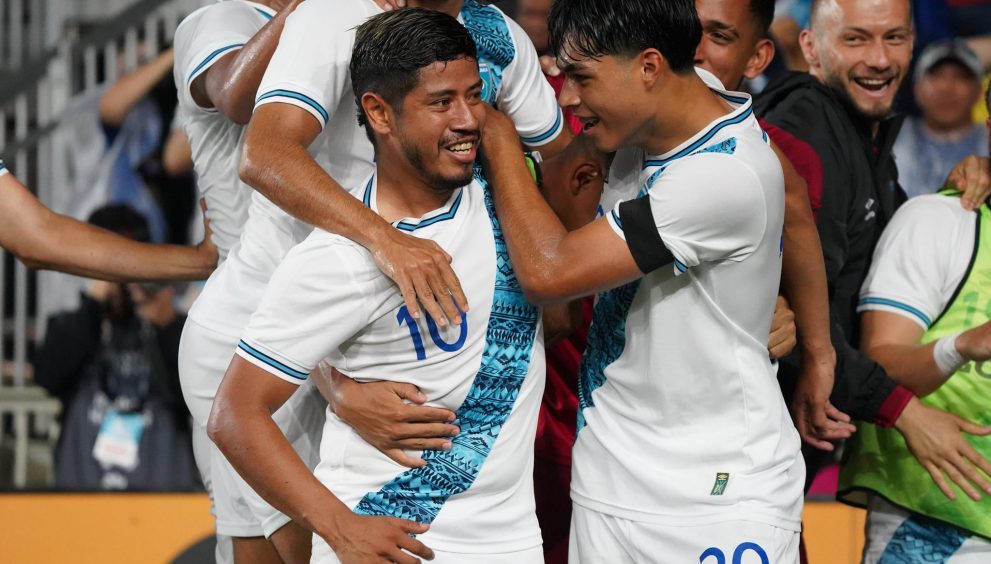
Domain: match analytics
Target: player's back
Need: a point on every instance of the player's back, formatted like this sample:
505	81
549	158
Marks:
328	299
684	420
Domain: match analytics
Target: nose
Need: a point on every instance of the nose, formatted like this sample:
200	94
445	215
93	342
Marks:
877	56
466	116
700	53
569	97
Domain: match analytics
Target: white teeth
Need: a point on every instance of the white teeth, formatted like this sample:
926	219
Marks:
462	147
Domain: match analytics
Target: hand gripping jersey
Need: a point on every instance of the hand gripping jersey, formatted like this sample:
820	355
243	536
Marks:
328	300
204	37
682	421
931	266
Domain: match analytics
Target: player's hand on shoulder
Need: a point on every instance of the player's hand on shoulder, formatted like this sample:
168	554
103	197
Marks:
423	272
379	540
936	439
389	5
388	415
972	176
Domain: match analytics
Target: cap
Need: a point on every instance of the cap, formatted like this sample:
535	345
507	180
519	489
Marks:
948	50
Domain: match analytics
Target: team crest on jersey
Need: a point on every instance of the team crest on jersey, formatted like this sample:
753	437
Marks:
722	478
488	81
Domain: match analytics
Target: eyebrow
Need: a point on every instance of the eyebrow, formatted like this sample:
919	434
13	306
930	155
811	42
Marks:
452	91
901	28
722	26
571	67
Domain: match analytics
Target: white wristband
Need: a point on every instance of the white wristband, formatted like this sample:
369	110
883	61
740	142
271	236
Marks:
945	353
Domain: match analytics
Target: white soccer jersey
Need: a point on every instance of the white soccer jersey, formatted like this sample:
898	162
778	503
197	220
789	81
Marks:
921	259
204	37
328	300
310	70
682	420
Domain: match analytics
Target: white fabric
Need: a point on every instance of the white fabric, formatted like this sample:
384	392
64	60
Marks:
884	519
203	359
598	538
328	300
322	554
692	393
205	37
921	259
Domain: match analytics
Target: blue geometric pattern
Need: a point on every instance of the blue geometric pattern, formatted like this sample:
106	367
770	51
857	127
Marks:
496	50
919	540
727	147
606	341
419	494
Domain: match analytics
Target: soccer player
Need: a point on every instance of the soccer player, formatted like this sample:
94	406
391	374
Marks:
301	142
926	321
43	239
416	78
685	450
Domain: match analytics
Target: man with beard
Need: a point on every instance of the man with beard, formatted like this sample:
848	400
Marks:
415	75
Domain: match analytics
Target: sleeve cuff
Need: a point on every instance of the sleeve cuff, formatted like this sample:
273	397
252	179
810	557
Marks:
297	99
549	135
279	368
636	220
892	407
875	303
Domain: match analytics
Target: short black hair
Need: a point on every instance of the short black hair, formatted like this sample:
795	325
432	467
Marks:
122	220
391	48
596	28
762	11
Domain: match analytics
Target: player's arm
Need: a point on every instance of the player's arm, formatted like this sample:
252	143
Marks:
803	281
43	239
242	427
118	101
231	82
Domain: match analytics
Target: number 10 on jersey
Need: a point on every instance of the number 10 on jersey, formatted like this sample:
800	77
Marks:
404	318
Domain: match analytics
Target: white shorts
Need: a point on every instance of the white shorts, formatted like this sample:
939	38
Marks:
322	554
896	535
600	538
202	451
204	356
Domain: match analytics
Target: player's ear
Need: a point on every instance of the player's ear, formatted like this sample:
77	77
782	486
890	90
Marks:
807	40
377	112
762	56
651	65
587	176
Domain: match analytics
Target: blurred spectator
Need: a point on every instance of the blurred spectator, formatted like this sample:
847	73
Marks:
947	85
112	363
790	18
144	138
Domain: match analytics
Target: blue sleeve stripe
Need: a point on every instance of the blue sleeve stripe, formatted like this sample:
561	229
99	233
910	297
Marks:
210	58
680	266
898	305
615	217
272	362
3	167
297	96
550	133
264	14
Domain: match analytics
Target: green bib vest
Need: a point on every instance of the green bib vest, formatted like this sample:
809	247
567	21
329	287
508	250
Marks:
877	459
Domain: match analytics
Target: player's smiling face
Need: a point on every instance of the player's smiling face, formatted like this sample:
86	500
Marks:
604	96
440	123
862	50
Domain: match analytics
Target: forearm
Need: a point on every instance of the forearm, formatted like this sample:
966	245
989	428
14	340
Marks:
124	94
912	366
233	89
285	173
863	389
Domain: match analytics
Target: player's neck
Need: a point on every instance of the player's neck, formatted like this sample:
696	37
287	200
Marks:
685	106
403	191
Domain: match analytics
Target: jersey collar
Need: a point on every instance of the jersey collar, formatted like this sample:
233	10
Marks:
448	211
742	111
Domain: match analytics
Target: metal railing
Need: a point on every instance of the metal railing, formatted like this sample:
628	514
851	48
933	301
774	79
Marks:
32	101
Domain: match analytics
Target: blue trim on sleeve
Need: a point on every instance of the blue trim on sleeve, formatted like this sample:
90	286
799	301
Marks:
272	362
264	14
210	58
615	218
680	266
297	96
545	136
898	305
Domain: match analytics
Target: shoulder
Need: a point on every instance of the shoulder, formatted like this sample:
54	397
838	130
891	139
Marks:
331	17
933	210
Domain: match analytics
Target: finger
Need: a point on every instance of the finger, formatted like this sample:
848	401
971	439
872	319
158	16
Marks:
937	477
397	556
426	444
425	295
399	456
408	291
410	527
425	414
970	472
443	293
805	431
836	415
416	547
409	392
426	431
973	429
950	468
453	286
975	458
